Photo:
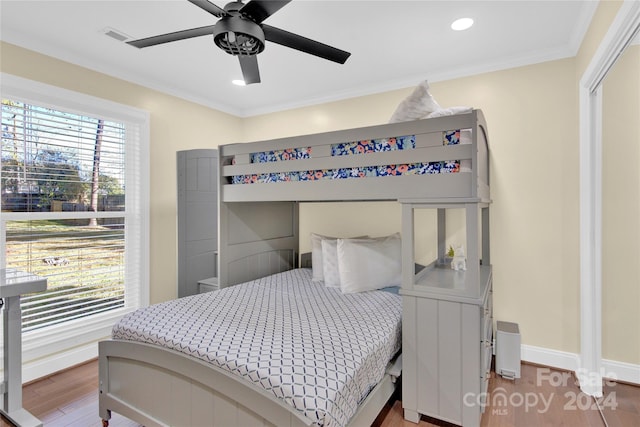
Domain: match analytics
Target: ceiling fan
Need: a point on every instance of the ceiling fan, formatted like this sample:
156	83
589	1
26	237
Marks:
240	32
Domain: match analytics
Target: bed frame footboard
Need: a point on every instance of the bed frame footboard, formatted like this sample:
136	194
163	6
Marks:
160	387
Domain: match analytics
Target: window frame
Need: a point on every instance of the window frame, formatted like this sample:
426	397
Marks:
57	347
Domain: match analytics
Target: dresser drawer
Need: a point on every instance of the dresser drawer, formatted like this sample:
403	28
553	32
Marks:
488	303
487	328
486	352
485	372
487	319
486	344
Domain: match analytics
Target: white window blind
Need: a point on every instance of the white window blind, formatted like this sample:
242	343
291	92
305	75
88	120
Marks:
55	161
74	183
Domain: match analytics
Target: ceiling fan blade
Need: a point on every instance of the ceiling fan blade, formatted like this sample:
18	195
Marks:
209	7
295	41
172	37
259	10
249	66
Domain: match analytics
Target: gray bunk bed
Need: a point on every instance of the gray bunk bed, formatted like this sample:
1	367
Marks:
260	187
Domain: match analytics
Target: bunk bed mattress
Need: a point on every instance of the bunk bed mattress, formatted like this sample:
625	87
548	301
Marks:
319	350
354	148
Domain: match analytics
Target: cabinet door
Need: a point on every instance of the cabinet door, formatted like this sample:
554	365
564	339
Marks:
441	359
197	172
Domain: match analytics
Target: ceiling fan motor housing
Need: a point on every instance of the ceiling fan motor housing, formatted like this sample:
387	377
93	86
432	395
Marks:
238	36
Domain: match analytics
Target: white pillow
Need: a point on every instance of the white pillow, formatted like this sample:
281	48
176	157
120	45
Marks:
317	263
451	111
466	137
418	105
316	256
330	269
369	264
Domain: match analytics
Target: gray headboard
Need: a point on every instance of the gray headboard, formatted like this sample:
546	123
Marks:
256	239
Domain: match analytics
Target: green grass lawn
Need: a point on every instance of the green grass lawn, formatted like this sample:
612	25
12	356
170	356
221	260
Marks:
84	267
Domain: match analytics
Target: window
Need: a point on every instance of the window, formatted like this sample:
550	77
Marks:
73	181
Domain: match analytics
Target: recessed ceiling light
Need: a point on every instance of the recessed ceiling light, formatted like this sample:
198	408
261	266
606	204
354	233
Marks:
238	82
462	24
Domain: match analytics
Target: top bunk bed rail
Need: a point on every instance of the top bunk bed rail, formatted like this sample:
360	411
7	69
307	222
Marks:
438	159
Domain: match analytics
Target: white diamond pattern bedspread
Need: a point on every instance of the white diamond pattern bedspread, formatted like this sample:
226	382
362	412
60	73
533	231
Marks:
319	350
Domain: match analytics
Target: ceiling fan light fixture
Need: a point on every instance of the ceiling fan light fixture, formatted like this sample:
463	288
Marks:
237	36
240	32
462	24
238	82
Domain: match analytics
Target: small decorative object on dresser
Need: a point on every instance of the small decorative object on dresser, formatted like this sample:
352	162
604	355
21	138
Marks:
459	262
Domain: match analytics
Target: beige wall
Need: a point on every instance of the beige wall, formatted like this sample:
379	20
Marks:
533	120
175	125
600	23
621	210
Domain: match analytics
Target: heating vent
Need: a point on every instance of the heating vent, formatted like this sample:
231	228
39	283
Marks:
115	34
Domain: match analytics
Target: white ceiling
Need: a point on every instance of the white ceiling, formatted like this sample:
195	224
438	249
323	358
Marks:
393	44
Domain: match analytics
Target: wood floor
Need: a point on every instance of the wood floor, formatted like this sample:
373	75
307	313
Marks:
542	397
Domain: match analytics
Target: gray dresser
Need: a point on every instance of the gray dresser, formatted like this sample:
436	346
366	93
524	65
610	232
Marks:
447	322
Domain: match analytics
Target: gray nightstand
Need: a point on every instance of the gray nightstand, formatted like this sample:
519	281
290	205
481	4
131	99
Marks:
208	285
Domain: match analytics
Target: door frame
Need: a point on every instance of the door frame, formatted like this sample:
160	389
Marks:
621	33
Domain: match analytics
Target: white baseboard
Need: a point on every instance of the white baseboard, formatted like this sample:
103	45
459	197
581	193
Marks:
548	357
622	371
48	365
567	361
